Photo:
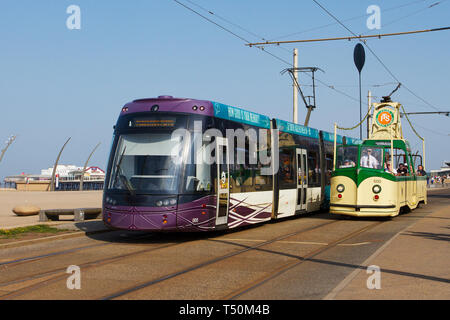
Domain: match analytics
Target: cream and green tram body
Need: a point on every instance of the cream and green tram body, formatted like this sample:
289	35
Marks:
365	182
359	190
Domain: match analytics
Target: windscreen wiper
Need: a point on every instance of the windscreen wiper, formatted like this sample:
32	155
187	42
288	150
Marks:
122	177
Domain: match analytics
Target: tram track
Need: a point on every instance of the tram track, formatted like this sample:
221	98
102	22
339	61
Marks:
35	258
32	259
259	247
300	260
59	273
209	262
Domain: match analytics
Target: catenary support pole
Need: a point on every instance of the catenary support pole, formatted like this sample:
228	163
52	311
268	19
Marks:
294	86
369	99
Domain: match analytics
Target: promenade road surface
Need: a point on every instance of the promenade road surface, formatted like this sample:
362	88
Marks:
318	256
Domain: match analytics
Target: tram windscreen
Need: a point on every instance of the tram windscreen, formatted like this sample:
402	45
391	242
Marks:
147	163
347	157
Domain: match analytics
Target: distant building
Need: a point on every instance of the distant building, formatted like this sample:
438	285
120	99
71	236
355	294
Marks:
68	176
71	172
443	171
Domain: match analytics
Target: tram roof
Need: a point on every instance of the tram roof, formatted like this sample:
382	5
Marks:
299	129
193	106
397	143
227	112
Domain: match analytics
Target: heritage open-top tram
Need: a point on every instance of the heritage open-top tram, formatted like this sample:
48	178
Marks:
193	165
378	177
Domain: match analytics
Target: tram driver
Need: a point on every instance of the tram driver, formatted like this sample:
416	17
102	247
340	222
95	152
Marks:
368	160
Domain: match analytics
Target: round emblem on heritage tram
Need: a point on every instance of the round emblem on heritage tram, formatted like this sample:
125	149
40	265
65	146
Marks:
385	118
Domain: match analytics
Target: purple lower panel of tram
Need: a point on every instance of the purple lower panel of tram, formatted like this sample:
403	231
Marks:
197	215
141	218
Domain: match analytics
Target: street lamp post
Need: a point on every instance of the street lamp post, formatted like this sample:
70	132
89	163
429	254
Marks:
85	166
8	143
52	182
359	58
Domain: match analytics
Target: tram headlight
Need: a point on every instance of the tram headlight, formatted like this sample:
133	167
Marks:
376	188
111	201
340	188
166	202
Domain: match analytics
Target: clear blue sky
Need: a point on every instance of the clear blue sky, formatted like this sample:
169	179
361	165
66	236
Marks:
57	83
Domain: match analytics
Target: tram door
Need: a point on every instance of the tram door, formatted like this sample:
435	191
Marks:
302	179
223	181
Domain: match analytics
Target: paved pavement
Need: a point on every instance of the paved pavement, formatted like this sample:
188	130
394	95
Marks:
414	264
43	200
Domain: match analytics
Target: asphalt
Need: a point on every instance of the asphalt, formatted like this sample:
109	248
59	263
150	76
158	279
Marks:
414	264
411	251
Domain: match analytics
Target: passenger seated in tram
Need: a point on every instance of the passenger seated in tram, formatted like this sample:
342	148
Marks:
420	171
286	169
388	168
402	170
348	164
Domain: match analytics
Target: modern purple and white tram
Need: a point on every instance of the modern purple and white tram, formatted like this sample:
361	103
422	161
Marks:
196	165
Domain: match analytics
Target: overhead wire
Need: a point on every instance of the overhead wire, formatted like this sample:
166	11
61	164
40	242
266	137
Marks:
233	24
376	56
414	13
332	87
430	130
228	30
346	20
259	47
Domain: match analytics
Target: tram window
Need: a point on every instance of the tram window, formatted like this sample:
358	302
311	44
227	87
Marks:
346	157
313	168
198	173
329	167
263	182
287	171
371	157
388	167
146	163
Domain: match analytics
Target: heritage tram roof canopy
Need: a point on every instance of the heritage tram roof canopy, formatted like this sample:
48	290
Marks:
398	144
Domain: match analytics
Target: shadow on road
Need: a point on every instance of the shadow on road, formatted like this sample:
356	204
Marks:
429	235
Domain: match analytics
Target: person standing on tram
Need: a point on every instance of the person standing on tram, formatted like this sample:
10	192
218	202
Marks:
368	160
